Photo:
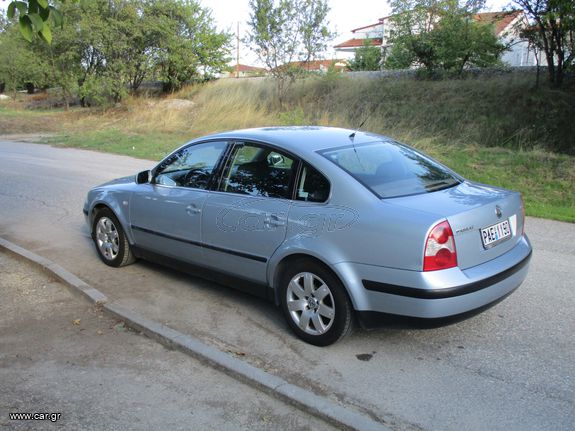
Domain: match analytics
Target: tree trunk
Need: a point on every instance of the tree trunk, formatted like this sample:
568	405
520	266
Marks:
537	73
167	87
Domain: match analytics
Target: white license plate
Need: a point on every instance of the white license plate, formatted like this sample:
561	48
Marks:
496	233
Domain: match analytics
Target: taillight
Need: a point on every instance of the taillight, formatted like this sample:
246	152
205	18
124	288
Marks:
440	250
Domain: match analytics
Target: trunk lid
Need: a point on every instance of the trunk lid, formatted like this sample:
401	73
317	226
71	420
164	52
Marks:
469	208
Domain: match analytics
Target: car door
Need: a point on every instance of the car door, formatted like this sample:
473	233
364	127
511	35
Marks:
166	213
245	218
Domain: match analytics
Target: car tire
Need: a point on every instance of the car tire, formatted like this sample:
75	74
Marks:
110	240
315	303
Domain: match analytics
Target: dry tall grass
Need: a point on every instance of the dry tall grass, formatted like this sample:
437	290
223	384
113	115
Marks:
490	111
501	111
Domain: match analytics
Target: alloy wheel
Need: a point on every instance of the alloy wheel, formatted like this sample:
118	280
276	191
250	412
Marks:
310	303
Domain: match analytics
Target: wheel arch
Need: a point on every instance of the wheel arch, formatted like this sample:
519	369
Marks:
283	264
100	205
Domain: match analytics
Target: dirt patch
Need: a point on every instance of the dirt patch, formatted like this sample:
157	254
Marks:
177	104
27	137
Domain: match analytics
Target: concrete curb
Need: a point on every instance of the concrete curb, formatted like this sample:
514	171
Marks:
94	295
303	399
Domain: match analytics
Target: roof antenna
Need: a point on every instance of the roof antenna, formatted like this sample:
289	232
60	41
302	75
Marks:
352	136
360	126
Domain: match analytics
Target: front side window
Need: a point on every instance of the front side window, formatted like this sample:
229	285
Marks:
390	169
259	171
191	166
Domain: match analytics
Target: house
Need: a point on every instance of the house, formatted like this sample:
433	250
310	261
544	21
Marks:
373	33
507	26
244	71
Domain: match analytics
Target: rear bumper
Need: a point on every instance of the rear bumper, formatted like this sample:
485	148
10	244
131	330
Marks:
436	294
450	292
374	319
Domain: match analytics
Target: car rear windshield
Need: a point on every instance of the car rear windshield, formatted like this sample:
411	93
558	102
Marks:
391	169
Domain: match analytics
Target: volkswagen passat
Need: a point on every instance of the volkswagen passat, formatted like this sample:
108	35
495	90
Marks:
330	224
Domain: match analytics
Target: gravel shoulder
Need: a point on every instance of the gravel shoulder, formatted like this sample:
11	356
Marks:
61	355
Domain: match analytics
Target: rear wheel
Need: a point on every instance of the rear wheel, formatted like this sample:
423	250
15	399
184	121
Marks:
110	240
315	303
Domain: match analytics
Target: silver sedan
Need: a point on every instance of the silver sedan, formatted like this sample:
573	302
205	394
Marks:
332	225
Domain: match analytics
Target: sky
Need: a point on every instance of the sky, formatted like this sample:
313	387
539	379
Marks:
343	16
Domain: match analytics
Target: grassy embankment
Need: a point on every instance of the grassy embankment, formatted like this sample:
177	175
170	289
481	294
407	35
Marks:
494	130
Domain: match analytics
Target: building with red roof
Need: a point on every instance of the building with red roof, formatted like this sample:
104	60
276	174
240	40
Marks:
507	26
244	71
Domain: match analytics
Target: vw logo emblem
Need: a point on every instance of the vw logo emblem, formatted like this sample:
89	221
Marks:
498	211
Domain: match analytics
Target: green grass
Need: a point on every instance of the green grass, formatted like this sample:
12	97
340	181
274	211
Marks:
544	179
153	146
26	121
499	131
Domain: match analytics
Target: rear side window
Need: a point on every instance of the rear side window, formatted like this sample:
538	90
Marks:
312	186
390	169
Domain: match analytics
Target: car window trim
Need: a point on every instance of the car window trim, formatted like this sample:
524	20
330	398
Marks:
225	165
217	175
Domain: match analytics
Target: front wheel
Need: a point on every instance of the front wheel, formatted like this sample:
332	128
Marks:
315	303
110	240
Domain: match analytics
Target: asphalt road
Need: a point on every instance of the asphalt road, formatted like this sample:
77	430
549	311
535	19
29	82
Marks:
510	368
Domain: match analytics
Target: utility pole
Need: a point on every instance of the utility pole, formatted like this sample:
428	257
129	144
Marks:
238	51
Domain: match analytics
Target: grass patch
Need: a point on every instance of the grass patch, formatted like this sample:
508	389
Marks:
544	179
152	146
26	121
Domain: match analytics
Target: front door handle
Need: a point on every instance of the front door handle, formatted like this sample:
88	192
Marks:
274	220
193	209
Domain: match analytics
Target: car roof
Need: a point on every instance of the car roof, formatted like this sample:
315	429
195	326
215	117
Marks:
301	139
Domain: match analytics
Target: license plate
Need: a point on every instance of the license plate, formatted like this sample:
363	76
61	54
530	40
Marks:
496	233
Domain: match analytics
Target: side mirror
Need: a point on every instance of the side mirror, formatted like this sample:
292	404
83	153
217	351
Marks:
275	159
143	177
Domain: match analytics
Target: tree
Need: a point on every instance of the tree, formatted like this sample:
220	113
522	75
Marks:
187	44
283	31
460	42
441	35
35	17
553	33
107	47
368	57
313	28
19	66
